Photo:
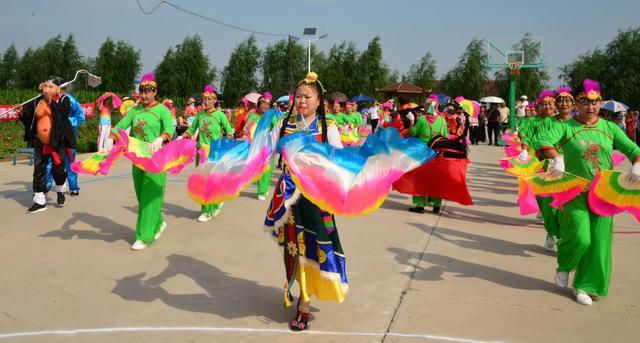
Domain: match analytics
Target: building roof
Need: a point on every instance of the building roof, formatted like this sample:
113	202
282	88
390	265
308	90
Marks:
402	87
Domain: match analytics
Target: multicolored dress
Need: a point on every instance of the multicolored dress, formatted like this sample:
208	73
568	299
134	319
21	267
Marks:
585	239
147	124
307	235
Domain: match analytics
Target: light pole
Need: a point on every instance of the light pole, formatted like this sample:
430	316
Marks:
310	35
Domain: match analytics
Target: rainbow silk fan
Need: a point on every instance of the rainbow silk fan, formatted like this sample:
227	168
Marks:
172	157
562	188
611	193
517	167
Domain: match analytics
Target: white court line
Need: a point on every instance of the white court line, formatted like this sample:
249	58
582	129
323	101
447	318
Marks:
225	330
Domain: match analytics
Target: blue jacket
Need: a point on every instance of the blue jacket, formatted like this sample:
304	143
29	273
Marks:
76	114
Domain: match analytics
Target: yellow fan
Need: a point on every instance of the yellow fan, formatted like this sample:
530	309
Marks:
126	106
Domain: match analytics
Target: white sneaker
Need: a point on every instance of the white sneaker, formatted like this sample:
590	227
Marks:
205	217
583	298
540	218
163	226
562	279
550	243
262	197
139	245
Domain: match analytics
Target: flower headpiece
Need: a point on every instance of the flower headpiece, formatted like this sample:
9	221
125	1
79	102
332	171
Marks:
148	82
546	96
590	90
564	92
209	92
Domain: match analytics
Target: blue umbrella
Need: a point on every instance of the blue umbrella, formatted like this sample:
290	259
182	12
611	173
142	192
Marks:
443	98
361	98
284	98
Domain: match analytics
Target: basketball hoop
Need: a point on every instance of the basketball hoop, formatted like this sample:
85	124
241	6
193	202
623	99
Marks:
515	67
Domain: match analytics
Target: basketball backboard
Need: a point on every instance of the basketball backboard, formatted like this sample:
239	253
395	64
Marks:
528	50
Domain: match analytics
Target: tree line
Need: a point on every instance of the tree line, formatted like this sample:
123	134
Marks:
185	68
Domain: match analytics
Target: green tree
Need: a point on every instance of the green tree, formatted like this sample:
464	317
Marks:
240	74
423	73
117	63
275	66
531	81
185	70
340	68
9	67
616	67
37	65
469	76
373	72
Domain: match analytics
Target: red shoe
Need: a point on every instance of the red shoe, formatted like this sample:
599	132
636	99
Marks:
299	323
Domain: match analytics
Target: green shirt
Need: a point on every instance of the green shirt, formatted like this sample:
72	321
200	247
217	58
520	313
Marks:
255	117
587	147
210	126
530	129
547	124
147	124
341	118
426	131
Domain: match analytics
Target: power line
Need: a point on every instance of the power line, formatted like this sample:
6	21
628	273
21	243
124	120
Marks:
201	16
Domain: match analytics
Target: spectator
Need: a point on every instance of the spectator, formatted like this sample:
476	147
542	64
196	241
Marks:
374	116
504	116
482	125
521	107
493	118
630	121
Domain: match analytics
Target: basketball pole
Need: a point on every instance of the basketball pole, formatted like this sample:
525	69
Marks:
512	103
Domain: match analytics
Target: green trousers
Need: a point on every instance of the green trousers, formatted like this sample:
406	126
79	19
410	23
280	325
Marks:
206	209
265	181
149	189
585	245
550	216
422	201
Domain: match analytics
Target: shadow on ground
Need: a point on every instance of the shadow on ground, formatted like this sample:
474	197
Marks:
99	228
223	295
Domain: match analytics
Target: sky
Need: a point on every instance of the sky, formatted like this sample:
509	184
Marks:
408	28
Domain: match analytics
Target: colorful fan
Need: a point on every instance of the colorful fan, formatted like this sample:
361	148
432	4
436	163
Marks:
171	158
355	180
562	188
98	162
526	199
348	136
617	158
517	167
611	193
232	165
512	147
126	106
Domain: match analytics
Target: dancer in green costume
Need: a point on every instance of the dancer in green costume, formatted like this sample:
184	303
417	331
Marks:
428	126
585	240
211	124
263	105
533	128
150	121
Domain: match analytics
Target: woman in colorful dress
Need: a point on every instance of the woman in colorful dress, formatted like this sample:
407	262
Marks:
531	131
311	246
263	106
584	244
211	124
151	122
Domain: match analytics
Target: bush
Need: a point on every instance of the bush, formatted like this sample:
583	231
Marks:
11	138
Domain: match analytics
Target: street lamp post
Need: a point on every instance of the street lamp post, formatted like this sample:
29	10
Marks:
310	35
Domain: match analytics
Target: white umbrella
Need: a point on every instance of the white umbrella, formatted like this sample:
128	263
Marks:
253	97
492	100
614	106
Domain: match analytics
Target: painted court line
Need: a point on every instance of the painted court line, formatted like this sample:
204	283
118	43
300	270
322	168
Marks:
68	332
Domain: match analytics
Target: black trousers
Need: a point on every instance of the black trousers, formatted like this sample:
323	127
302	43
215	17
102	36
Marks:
494	131
374	125
474	134
40	162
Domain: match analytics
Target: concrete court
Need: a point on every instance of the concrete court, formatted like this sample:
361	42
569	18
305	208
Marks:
470	274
